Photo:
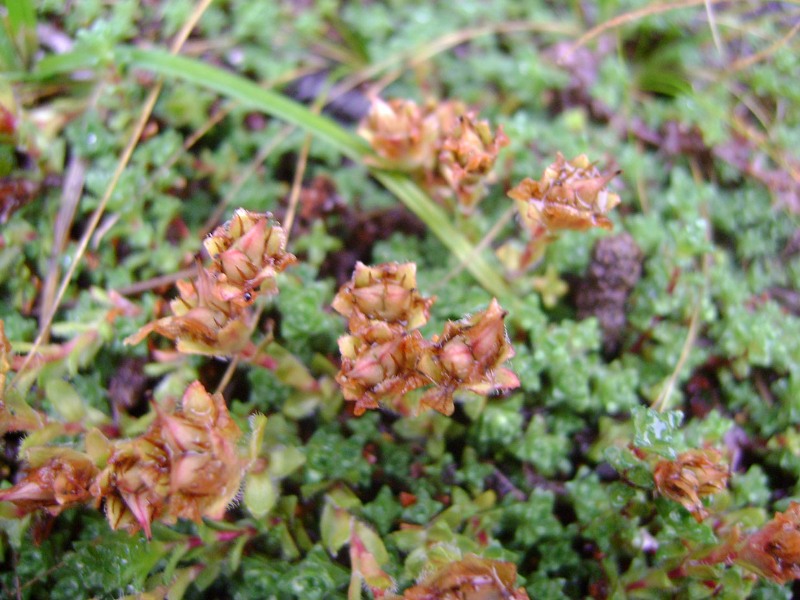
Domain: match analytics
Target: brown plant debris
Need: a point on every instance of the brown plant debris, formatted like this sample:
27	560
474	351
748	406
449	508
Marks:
384	357
615	268
691	476
570	195
472	578
774	550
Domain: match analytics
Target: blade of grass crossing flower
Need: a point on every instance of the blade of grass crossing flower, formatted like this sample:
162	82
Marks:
438	222
247	92
239	88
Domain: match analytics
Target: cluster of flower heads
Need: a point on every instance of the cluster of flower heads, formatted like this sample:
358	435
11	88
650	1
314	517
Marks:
186	465
385	356
211	315
448	150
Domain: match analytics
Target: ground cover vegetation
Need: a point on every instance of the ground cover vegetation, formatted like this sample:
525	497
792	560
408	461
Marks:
399	299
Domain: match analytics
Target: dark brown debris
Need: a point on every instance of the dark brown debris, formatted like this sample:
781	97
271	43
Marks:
615	269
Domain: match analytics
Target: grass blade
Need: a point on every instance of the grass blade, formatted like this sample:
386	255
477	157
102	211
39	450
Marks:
247	92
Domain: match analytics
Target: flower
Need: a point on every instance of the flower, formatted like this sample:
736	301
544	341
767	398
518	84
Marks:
570	195
447	150
402	134
210	314
384	294
135	482
57	479
468	355
691	476
774	550
467	156
472	578
384	357
185	465
249	250
379	371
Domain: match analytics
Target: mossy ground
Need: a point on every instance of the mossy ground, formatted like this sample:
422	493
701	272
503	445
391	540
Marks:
700	108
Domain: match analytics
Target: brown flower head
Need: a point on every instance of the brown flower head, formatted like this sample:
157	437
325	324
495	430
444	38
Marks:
570	195
57	479
472	578
385	294
206	470
202	321
210	315
774	550
249	250
184	466
693	475
468	355
467	157
135	482
373	372
402	134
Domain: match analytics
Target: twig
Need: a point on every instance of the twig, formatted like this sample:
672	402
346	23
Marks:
635	15
156	282
748	61
662	401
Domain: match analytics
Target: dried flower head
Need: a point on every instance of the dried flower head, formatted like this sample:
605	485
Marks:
472	578
385	357
210	315
249	250
202	322
135	483
373	372
691	476
57	478
774	550
402	134
185	465
468	355
570	195
467	157
444	146
385	294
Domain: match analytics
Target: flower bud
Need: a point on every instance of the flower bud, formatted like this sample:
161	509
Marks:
373	372
468	355
467	157
693	475
401	133
385	293
570	195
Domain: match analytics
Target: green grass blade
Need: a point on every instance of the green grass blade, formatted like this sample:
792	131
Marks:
437	221
247	92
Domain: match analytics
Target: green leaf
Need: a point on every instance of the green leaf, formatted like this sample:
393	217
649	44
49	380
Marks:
65	399
658	432
260	494
334	527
